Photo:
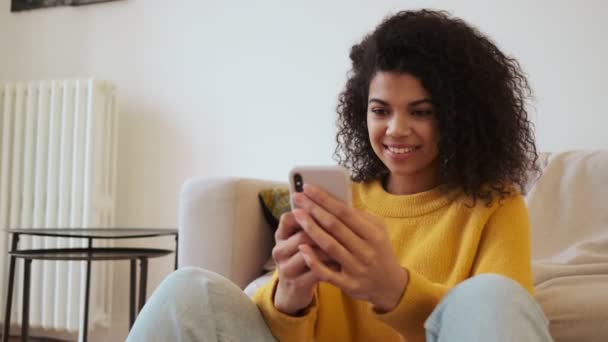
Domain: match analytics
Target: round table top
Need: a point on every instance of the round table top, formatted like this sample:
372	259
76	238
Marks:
89	253
95	233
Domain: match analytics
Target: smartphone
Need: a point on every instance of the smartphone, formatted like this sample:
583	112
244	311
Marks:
335	180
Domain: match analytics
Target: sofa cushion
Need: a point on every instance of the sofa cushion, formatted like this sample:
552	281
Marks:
568	209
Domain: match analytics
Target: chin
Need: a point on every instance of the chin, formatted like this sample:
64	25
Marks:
409	170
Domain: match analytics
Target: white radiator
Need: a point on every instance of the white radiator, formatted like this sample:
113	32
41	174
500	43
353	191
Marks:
58	169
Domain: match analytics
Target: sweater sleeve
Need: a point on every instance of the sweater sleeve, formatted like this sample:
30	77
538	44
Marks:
418	301
505	244
504	249
285	327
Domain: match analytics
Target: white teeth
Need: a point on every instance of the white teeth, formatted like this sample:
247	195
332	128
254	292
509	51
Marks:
400	150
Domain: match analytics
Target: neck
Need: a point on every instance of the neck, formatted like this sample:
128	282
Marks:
410	184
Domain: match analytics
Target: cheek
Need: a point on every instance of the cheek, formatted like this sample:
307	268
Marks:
429	132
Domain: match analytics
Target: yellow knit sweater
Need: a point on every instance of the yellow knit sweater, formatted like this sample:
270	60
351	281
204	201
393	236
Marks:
440	238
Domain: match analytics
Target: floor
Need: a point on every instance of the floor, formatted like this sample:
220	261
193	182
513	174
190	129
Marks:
116	332
94	337
33	339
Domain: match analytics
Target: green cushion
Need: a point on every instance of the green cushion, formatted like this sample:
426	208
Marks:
274	202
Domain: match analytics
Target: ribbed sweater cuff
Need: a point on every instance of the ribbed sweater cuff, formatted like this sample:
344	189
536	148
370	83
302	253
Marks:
418	301
300	328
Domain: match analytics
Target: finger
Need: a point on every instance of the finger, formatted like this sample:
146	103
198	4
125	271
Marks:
337	208
307	279
333	226
370	217
326	259
294	266
287	226
322	271
331	263
324	240
284	249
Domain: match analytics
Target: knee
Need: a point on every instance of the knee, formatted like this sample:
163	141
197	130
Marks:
188	282
497	307
189	275
490	294
492	289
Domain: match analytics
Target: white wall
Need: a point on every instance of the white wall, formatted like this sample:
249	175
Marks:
248	88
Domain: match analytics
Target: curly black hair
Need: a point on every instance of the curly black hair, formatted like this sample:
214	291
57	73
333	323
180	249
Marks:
486	145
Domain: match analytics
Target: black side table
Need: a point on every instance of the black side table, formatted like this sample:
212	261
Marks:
84	254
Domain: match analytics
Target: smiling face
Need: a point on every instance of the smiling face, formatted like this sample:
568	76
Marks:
403	131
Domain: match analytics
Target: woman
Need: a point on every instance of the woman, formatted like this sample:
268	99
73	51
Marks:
433	127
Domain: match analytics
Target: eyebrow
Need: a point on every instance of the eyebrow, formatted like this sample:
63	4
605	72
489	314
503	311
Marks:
411	104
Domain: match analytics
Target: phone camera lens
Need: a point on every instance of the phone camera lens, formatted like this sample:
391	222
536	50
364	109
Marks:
297	179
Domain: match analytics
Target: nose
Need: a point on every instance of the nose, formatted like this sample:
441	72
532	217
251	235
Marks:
399	126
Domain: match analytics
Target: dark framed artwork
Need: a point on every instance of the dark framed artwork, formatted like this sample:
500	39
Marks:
24	5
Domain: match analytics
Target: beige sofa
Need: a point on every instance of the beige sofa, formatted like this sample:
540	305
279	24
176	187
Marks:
222	229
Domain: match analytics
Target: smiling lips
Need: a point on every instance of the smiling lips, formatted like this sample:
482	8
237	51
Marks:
401	152
401	149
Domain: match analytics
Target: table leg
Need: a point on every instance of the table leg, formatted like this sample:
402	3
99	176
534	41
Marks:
132	293
87	288
85	323
143	278
26	299
9	289
9	299
176	250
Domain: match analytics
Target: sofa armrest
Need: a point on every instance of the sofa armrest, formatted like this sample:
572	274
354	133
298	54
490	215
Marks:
222	228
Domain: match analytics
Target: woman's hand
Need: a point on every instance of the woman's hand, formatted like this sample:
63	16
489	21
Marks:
295	290
357	241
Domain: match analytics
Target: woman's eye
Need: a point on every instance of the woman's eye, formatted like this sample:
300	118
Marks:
379	111
422	112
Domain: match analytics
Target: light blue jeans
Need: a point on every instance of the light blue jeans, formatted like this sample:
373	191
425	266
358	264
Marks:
197	305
